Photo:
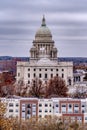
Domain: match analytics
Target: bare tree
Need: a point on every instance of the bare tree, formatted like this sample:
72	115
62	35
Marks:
21	88
6	90
36	88
56	86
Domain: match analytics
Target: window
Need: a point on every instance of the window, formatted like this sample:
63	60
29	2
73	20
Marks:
45	69
83	105
40	105
10	110
18	74
56	105
46	110
39	69
62	69
28	74
28	112
51	75
23	105
28	81
51	69
40	110
10	104
69	81
70	106
83	111
50	105
34	75
49	110
16	110
62	75
63	110
28	106
56	69
17	105
39	75
23	110
23	115
76	105
28	69
33	105
46	105
63	105
76	111
34	113
57	75
45	76
34	69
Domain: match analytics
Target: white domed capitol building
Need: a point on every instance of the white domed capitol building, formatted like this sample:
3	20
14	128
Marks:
43	62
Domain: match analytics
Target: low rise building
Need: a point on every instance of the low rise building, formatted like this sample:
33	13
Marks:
28	108
13	106
45	107
68	109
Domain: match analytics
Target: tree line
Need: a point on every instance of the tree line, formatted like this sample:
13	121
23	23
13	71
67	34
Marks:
56	86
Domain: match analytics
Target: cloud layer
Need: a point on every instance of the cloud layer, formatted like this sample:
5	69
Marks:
20	19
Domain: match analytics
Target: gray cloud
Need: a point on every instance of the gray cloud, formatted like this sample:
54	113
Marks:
19	21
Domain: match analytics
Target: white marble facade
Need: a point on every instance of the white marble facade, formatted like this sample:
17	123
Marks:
43	61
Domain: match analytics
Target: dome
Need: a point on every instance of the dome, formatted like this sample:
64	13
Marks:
43	30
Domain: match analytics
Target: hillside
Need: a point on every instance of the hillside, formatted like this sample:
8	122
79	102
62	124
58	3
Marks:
9	63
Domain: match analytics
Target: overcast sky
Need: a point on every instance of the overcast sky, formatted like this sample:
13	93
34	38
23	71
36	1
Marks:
20	19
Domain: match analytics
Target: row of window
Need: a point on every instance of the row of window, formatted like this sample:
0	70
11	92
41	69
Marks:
11	110
45	111
44	116
28	111
75	111
70	105
46	69
46	105
40	76
28	105
63	105
45	76
11	105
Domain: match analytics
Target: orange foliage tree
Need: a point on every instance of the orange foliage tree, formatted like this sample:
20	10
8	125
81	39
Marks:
56	86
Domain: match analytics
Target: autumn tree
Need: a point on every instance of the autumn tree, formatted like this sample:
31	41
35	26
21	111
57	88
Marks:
36	88
56	86
6	84
2	112
74	126
7	123
6	78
